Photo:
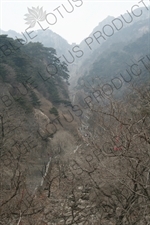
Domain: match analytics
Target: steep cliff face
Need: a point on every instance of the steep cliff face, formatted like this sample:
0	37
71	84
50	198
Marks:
124	28
111	36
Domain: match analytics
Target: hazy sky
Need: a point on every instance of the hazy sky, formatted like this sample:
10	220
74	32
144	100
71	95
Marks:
74	26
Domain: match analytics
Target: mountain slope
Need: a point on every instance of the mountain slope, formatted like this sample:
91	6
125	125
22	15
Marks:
48	38
98	43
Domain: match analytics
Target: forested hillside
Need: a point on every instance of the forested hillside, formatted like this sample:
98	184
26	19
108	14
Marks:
76	154
48	38
34	122
35	66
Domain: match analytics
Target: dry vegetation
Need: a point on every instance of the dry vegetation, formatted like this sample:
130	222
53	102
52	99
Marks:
105	182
